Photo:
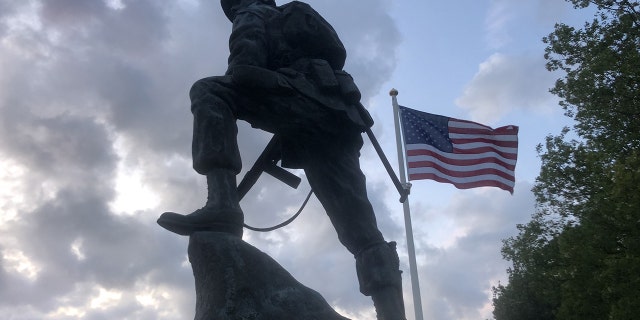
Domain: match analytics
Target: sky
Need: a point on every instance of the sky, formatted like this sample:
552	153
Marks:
95	136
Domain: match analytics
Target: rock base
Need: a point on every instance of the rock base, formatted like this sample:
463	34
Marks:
236	281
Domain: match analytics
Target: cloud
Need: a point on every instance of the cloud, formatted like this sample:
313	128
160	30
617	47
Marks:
496	21
505	83
92	91
552	11
460	271
370	37
508	22
95	90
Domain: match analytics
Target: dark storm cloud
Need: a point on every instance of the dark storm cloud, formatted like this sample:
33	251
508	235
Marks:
74	159
69	89
7	9
135	29
47	146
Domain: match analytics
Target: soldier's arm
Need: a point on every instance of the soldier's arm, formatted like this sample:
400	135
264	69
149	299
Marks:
248	41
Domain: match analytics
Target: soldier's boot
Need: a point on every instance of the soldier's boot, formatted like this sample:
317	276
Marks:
389	303
221	213
379	274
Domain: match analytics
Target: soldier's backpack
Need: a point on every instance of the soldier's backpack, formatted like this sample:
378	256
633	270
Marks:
306	30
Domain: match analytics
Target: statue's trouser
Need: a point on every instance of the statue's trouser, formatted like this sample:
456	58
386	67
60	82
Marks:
215	155
332	168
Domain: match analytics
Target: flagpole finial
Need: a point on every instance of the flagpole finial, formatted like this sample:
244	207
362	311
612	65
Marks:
393	92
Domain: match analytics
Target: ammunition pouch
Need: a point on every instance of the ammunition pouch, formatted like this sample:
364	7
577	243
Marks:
322	74
328	79
348	87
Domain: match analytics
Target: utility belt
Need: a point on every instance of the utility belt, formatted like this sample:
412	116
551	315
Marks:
318	70
295	79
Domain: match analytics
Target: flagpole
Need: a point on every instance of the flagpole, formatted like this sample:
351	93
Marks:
413	269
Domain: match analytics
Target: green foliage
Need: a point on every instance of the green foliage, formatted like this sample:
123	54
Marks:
530	294
579	256
600	90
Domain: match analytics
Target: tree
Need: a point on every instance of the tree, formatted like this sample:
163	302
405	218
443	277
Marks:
579	257
530	294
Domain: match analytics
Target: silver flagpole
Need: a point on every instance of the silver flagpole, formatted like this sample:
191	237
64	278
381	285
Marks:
415	284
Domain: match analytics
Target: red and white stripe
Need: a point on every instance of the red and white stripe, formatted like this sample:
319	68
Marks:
481	157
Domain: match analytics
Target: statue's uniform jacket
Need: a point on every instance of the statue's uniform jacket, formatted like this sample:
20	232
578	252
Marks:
269	85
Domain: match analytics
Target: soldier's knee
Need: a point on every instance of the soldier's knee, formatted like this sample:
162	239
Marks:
213	92
200	88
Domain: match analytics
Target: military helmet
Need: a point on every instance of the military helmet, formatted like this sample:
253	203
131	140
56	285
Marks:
227	5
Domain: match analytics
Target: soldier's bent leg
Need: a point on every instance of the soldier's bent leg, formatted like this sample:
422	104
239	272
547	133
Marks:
214	143
215	155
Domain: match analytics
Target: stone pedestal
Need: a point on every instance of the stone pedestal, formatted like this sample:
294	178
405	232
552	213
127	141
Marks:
236	281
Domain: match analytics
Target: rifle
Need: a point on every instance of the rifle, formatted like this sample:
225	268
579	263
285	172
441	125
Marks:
267	162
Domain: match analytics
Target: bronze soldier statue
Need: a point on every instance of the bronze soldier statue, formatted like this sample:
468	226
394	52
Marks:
285	76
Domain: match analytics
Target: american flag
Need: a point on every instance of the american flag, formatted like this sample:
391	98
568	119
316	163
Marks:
463	153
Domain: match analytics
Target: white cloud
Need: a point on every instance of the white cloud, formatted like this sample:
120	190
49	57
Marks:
507	22
77	250
105	299
505	83
16	261
499	16
460	276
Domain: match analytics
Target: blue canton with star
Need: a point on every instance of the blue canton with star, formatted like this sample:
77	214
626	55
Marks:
422	127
